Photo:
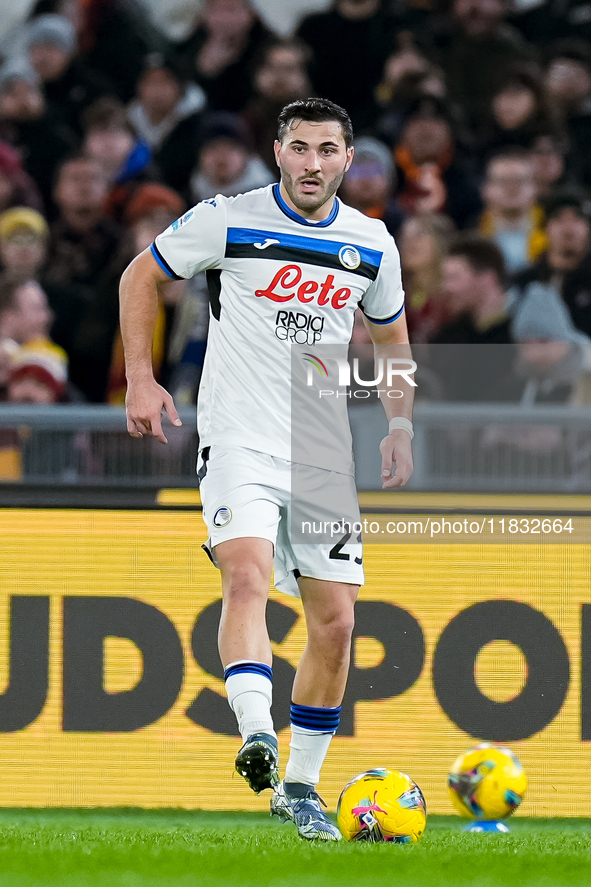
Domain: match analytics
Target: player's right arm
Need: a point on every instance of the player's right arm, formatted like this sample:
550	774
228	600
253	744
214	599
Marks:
194	243
145	399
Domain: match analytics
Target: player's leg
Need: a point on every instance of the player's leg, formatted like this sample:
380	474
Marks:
246	566
322	674
318	691
245	650
242	518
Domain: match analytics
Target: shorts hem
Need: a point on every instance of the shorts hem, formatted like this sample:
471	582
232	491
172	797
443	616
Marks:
241	535
332	578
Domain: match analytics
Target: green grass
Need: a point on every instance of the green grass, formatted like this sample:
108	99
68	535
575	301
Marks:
138	848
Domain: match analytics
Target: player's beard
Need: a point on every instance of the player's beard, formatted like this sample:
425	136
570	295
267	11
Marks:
310	203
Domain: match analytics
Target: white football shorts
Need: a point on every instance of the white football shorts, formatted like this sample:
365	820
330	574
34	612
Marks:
246	493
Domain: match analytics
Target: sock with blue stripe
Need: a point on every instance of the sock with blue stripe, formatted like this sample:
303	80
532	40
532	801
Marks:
250	693
312	730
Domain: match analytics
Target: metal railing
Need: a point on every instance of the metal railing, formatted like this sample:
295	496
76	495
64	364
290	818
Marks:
457	447
486	447
89	445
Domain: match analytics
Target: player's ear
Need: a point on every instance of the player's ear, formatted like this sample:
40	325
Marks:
277	149
350	153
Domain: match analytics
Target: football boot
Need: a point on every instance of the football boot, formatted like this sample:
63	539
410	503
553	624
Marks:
258	761
300	804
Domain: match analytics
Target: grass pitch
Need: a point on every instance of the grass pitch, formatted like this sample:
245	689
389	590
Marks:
138	848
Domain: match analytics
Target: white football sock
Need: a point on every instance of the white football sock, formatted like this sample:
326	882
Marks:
250	695
308	750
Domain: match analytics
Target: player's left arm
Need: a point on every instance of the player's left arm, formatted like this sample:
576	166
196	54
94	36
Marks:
397	394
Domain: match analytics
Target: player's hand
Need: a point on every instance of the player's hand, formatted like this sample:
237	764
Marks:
144	403
396	448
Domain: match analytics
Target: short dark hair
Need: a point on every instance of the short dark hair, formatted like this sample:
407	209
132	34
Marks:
106	113
71	158
568	197
510	152
315	111
293	44
481	254
164	61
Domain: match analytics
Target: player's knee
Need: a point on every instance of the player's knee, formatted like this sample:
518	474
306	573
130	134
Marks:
245	582
335	634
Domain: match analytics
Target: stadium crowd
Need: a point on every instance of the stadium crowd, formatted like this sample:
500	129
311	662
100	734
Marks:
473	126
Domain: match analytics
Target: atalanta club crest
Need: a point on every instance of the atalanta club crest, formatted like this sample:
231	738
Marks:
222	517
349	257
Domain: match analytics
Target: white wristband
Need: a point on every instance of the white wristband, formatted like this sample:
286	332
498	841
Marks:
401	423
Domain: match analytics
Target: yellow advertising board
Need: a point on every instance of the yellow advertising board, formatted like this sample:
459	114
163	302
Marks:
112	691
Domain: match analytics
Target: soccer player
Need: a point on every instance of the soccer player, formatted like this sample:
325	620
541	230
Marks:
271	255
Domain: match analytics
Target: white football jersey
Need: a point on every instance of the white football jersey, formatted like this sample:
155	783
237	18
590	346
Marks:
275	279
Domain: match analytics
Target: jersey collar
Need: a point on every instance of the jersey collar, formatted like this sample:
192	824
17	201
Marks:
294	216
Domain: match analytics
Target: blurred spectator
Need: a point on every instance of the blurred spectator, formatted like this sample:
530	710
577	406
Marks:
8	346
424	242
166	115
350	44
432	179
25	315
408	77
69	86
33	369
474	285
279	77
220	52
475	49
568	74
111	141
541	316
115	36
25	320
567	262
519	111
25	124
548	154
86	258
551	366
17	188
226	163
512	217
35	372
404	69
37	377
552	356
568	81
369	183
152	208
23	242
